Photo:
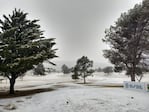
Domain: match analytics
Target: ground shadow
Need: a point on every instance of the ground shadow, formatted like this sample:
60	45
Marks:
19	93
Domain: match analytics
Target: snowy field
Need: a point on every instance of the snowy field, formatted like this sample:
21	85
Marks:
74	97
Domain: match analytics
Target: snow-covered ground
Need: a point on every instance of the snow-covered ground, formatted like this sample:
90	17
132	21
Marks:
74	97
30	81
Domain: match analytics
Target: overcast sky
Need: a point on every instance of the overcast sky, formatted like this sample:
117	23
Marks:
77	25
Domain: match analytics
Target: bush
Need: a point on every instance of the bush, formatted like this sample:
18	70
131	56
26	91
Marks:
75	76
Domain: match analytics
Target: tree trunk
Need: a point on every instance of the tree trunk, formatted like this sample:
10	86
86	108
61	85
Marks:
133	73
12	83
133	77
84	79
139	79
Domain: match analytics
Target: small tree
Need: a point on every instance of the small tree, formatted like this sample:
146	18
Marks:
83	67
65	69
108	70
75	73
39	69
22	45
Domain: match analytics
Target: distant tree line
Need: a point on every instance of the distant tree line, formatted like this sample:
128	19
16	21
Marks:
107	69
41	70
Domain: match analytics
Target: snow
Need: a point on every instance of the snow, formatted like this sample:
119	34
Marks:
74	97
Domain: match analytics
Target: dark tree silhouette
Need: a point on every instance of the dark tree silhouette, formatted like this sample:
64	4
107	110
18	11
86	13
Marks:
108	70
22	45
75	73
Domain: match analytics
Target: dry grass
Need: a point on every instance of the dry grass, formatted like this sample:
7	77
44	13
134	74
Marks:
19	93
111	86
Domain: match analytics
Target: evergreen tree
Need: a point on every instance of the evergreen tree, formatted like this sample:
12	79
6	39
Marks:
39	69
65	69
22	45
129	41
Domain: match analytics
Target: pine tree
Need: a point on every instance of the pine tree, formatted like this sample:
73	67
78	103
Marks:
39	70
129	41
22	45
83	68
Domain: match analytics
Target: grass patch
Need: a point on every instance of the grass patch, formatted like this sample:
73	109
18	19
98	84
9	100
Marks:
111	86
100	85
19	93
84	83
59	86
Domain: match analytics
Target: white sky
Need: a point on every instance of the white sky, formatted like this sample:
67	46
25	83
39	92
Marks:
77	25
